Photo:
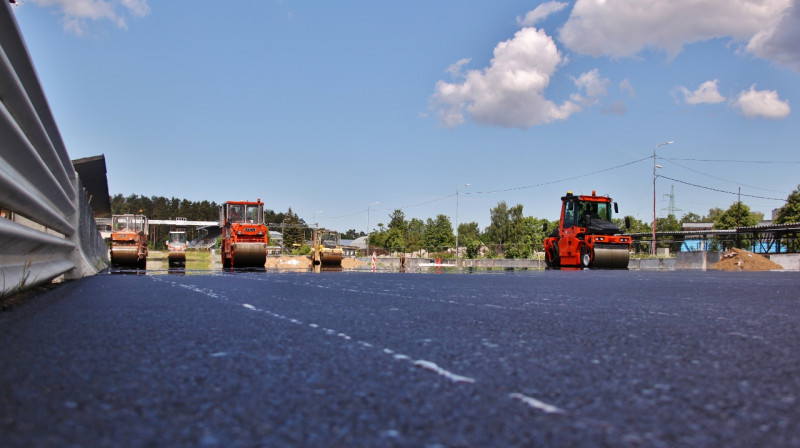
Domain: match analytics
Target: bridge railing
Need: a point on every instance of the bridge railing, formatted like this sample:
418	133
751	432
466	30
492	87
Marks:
46	225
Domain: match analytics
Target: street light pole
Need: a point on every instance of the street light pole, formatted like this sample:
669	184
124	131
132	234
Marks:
653	250
457	253
315	232
368	232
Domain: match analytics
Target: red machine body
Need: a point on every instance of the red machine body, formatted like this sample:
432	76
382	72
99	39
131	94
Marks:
586	236
129	240
244	234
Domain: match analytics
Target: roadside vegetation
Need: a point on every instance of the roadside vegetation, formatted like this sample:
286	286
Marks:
510	233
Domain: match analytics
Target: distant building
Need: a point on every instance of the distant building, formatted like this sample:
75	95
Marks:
697	226
696	242
350	248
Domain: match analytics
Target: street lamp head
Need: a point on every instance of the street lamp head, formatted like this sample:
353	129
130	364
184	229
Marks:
664	144
659	166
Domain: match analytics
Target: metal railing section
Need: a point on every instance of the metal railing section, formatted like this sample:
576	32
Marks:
47	228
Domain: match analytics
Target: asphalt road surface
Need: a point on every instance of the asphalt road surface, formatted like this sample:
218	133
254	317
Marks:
361	359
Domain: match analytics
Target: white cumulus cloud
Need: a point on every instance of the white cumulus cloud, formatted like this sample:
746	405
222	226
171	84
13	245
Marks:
620	28
707	93
540	13
626	86
762	103
510	92
593	85
78	13
455	69
780	42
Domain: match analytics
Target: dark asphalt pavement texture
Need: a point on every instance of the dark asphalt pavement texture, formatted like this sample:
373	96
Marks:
361	359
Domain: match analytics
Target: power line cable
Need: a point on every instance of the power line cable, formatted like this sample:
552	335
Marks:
720	191
507	189
730	161
719	178
558	180
400	208
428	202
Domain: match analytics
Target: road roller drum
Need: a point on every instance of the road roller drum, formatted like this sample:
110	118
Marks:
249	255
125	255
611	258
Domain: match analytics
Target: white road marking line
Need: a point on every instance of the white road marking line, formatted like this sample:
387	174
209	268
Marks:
536	404
427	365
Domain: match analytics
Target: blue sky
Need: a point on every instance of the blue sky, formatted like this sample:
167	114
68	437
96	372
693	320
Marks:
328	107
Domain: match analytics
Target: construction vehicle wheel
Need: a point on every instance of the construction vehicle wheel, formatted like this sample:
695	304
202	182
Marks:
586	258
553	262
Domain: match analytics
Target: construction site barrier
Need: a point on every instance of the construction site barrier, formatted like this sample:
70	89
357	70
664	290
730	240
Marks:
47	228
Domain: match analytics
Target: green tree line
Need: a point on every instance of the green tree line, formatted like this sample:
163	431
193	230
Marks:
159	207
510	233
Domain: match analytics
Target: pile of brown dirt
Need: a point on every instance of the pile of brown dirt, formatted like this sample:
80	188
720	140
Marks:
288	262
351	263
304	262
742	260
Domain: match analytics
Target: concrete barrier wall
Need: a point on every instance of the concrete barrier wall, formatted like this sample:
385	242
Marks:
787	261
681	261
652	264
504	263
696	260
415	263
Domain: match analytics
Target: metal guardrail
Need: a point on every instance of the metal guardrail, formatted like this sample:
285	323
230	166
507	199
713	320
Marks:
763	238
46	228
175	222
764	228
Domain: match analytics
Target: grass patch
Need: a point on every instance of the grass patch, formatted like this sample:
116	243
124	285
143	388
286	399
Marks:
198	259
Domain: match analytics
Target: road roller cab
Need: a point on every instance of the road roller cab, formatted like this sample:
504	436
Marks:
326	250
586	237
176	247
244	234
129	240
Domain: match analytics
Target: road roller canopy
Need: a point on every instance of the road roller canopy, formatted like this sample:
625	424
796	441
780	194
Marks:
177	237
242	212
579	210
329	238
129	223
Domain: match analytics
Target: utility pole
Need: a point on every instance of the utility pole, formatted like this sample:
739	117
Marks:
457	188
654	192
368	231
738	216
